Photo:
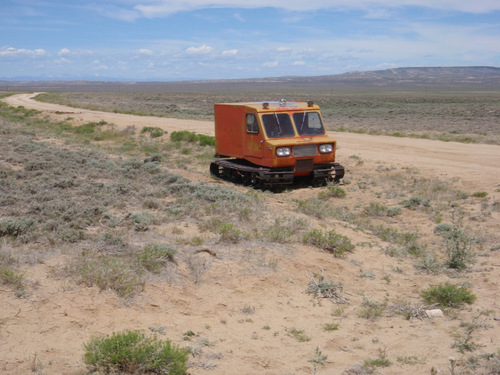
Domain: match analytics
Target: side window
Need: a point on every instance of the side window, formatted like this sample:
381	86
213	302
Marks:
252	125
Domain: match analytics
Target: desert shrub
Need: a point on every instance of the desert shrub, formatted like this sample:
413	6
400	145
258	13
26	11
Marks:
371	309
330	241
192	199
131	352
153	131
107	272
480	194
183	136
15	226
298	334
443	230
408	240
332	191
318	287
459	249
448	295
430	264
141	221
206	140
416	202
10	276
190	137
154	256
279	232
314	207
229	233
375	209
382	361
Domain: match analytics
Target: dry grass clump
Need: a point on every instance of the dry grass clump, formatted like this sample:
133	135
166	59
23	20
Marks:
124	272
10	275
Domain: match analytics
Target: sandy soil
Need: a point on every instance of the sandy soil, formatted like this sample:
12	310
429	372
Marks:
247	312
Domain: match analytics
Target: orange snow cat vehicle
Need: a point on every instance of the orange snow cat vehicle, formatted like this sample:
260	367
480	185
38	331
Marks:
267	144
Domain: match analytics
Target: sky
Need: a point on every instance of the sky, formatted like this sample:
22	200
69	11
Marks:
169	40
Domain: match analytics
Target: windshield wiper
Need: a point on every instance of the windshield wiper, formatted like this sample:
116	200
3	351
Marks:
278	121
303	120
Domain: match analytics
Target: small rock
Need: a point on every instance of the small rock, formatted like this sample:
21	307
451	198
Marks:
434	313
497	318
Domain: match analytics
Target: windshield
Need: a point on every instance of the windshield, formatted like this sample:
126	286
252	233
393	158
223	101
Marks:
278	125
308	123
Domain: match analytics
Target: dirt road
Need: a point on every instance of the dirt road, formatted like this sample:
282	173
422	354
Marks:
477	165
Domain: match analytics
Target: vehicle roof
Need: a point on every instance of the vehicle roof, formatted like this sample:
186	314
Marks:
273	106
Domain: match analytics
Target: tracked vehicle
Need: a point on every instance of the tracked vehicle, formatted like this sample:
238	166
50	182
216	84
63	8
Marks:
270	144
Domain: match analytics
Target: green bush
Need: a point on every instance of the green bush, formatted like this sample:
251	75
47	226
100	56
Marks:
279	232
332	191
154	132
131	352
480	194
15	227
448	295
9	276
206	140
443	230
154	256
331	241
89	127
190	137
229	233
183	136
416	202
459	250
375	209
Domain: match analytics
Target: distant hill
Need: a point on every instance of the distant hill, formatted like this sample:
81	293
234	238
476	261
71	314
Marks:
442	78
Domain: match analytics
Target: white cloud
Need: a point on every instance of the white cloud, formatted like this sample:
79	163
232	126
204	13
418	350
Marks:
202	50
230	52
63	60
270	64
284	49
10	52
298	63
145	51
114	12
162	8
64	52
239	17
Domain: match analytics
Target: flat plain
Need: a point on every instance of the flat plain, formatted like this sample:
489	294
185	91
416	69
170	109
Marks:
253	283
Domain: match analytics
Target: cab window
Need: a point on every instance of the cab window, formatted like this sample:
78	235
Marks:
252	125
278	125
308	123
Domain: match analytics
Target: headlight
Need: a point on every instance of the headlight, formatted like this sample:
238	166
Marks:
283	151
326	148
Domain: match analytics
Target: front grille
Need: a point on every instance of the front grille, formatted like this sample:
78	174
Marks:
304	165
305	150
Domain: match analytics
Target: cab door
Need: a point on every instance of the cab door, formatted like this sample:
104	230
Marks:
254	141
